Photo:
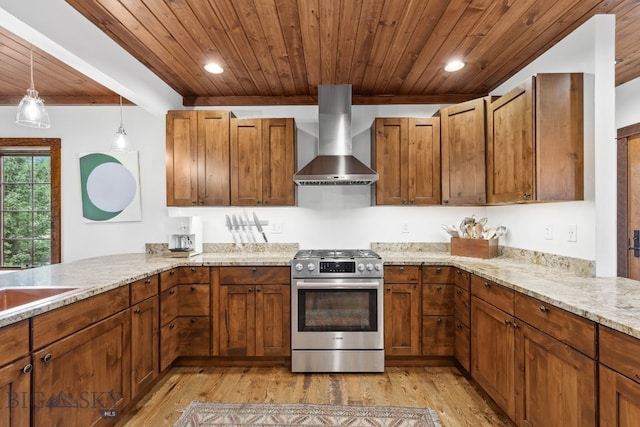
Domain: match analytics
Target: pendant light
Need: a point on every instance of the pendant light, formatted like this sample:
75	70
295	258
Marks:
120	140
31	111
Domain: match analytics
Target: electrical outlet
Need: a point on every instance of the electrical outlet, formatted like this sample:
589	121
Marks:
276	228
548	232
405	227
573	233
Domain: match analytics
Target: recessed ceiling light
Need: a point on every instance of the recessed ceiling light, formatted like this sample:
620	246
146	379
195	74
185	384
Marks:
213	68
454	66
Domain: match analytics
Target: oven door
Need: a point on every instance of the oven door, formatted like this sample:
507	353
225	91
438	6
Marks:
337	314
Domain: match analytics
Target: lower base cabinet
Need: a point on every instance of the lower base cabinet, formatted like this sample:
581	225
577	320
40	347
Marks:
15	392
144	345
85	378
619	399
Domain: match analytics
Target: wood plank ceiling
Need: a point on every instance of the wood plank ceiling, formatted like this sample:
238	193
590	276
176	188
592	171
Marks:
279	51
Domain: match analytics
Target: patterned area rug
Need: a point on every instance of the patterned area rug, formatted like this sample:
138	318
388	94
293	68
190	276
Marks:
203	414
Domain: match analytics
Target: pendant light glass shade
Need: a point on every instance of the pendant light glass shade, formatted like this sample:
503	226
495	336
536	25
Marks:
31	110
120	140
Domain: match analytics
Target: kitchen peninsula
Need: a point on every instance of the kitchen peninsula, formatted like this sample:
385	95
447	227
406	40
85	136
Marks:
537	307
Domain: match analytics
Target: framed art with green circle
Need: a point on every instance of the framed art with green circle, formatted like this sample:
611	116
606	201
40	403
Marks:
110	184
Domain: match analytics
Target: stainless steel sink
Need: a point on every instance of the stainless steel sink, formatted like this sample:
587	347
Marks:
14	297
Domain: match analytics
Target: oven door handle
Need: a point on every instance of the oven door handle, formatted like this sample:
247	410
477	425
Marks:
352	284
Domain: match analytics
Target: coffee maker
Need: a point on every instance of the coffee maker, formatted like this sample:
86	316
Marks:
185	235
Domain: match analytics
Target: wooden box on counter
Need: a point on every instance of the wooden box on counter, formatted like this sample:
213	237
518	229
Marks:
477	248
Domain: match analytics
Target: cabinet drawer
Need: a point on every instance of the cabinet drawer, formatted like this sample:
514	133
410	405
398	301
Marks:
462	305
437	299
194	275
193	300
462	345
437	335
493	293
620	352
195	335
462	278
56	324
14	342
144	288
255	275
401	274
168	344
169	279
569	328
435	274
168	305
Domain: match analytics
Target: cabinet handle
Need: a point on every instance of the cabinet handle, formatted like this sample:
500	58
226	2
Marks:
544	309
507	322
266	202
438	288
47	357
147	281
458	291
438	270
193	320
250	290
458	272
438	320
445	201
402	269
388	289
201	202
254	269
257	202
412	201
137	311
638	376
404	201
515	325
172	291
193	288
172	272
526	195
27	368
459	325
171	325
193	202
193	269
487	284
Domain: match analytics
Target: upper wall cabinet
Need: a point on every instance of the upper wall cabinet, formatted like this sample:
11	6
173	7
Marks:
197	158
406	155
262	162
535	137
463	133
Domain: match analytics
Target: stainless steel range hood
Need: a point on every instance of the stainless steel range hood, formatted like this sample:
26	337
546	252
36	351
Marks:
335	164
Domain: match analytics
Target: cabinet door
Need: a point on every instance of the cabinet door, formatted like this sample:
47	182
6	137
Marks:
236	325
144	345
437	335
213	158
510	146
423	164
389	141
273	320
619	399
169	344
557	384
402	319
246	162
278	161
493	353
463	132
438	299
182	158
462	345
81	379
15	389
194	335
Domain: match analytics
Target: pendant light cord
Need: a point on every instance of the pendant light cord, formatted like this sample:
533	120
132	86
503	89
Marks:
31	66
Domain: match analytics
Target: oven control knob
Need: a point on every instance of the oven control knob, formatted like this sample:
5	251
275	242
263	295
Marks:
311	266
299	267
360	267
378	267
369	267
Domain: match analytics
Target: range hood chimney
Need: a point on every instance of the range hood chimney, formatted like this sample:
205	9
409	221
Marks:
335	164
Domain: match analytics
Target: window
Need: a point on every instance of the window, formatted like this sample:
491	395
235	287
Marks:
29	202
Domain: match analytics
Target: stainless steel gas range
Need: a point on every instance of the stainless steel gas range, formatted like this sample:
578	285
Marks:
337	311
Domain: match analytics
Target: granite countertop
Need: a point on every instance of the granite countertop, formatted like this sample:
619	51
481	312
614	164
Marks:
613	302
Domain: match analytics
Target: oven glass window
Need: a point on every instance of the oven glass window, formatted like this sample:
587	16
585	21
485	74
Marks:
337	310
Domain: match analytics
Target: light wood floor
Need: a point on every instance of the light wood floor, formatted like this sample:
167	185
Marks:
443	389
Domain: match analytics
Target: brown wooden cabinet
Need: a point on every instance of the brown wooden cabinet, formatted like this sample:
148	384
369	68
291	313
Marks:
144	343
406	155
15	375
619	375
535	144
438	320
462	316
402	317
262	162
82	378
254	311
463	141
197	146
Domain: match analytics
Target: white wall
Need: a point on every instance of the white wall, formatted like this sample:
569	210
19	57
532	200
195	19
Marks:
326	216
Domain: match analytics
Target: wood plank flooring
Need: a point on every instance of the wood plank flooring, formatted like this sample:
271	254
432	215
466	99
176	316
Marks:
457	401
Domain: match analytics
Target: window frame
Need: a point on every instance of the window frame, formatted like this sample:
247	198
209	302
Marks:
54	147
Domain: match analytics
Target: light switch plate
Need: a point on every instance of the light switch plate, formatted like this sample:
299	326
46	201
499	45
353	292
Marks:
276	228
573	233
548	232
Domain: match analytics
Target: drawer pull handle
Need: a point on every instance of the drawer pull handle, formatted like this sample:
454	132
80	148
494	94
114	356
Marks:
458	291
515	325
507	322
147	281
250	290
47	358
544	309
193	288
193	269
193	320
438	288
439	320
172	291
27	368
138	311
459	325
172	272
638	376
438	270
254	269
487	284
171	326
